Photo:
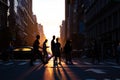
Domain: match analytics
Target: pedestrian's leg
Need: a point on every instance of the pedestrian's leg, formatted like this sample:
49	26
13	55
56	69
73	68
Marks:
70	59
59	59
55	61
41	57
32	59
67	57
47	57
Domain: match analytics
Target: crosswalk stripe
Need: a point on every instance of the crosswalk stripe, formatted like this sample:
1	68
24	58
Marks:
36	63
23	63
96	71
19	63
75	63
9	63
116	67
107	79
87	63
0	62
111	63
102	63
90	79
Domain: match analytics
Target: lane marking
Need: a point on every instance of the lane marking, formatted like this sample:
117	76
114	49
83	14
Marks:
8	63
87	63
90	79
96	71
116	67
22	63
0	62
111	63
36	63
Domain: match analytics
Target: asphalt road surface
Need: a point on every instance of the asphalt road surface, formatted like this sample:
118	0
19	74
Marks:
80	70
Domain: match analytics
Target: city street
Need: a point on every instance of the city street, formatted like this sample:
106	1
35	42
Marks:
80	70
88	31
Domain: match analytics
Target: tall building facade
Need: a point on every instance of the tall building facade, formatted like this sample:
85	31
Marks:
4	31
68	18
41	33
62	34
21	22
102	21
74	23
78	25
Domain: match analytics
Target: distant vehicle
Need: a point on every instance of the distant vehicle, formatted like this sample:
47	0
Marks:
25	52
22	52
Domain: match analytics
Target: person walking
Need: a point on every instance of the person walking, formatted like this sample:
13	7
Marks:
10	50
57	51
95	53
45	50
36	51
53	45
68	50
53	48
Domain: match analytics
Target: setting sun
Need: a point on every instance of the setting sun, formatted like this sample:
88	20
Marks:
50	14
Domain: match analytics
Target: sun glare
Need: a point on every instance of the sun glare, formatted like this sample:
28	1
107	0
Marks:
50	14
49	32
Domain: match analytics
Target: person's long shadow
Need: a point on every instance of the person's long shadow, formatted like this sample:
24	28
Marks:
57	73
31	69
60	73
79	71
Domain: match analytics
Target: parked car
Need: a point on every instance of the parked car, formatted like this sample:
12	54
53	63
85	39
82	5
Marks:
22	52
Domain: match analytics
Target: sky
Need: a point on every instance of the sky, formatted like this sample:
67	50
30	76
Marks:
50	14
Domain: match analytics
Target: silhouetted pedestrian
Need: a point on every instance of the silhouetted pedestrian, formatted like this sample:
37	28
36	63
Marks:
57	51
68	50
10	50
53	48
95	53
53	45
36	51
45	50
